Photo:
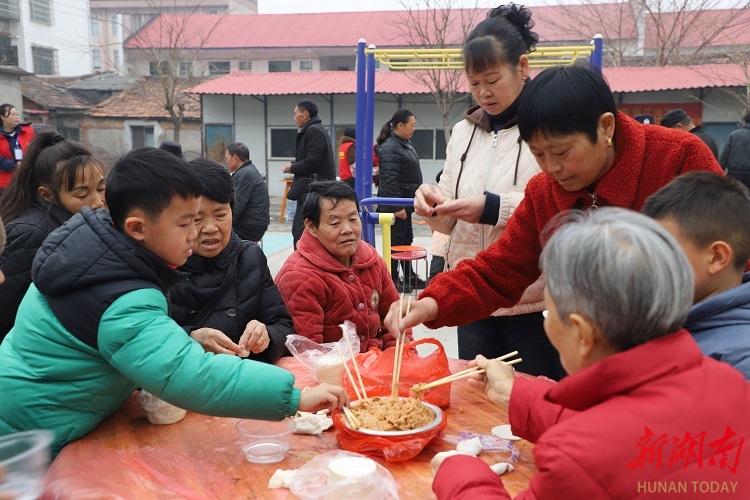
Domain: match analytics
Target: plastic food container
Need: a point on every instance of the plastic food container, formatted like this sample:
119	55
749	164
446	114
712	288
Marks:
265	442
24	458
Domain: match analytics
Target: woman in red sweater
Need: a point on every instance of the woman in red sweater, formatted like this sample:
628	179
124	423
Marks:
591	156
15	138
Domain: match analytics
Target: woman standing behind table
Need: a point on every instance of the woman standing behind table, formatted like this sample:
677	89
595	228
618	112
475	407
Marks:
13	143
246	317
486	170
400	176
55	179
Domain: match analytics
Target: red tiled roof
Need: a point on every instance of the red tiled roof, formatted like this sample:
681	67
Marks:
627	79
142	100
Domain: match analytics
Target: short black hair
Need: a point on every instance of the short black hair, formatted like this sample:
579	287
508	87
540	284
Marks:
216	182
240	150
565	100
329	190
707	207
148	179
502	38
746	118
673	117
308	106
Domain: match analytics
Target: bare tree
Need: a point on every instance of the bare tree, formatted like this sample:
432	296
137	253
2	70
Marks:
171	43
438	24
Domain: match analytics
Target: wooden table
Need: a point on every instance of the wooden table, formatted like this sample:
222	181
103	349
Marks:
283	200
200	456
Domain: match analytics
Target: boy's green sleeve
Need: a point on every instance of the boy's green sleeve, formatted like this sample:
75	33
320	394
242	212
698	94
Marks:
138	338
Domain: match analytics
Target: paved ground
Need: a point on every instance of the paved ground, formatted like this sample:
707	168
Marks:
277	245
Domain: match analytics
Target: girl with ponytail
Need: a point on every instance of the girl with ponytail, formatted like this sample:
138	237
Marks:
55	179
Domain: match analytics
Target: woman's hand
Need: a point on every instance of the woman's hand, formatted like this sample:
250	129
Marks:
255	338
215	341
401	214
496	382
322	397
427	197
422	310
468	209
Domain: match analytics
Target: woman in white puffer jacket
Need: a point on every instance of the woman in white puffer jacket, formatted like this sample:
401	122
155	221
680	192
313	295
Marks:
486	170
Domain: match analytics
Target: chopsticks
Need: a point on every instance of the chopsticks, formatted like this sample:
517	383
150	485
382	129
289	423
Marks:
399	355
469	372
348	372
353	421
356	368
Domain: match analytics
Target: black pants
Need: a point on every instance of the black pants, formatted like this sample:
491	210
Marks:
437	265
498	335
298	223
402	234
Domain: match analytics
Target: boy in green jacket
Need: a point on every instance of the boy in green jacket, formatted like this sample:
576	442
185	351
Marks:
94	326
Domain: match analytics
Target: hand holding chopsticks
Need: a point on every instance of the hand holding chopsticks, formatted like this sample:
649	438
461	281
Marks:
468	373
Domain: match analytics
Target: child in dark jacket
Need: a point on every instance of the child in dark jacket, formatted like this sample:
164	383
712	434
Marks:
93	326
709	215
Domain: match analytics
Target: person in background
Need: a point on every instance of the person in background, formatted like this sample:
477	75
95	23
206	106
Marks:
679	119
246	316
55	179
13	143
313	158
172	147
2	246
93	326
400	177
735	157
619	288
486	170
591	156
709	215
645	119
251	211
348	156
334	276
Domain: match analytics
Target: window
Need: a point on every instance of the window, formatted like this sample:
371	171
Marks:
429	144
305	65
116	58
94	26
41	11
279	67
97	57
283	142
70	133
246	65
115	25
44	60
219	68
153	68
141	136
186	68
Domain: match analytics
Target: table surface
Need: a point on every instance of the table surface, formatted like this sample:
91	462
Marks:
200	456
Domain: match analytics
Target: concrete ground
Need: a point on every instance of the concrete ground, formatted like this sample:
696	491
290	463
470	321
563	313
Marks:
277	245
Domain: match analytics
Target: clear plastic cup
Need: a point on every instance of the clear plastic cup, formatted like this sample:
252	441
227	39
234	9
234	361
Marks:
24	458
265	442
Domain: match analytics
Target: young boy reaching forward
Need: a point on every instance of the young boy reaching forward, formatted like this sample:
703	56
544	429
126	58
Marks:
93	326
709	215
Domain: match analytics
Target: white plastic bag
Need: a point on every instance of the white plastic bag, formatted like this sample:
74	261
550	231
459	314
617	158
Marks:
159	412
324	359
313	481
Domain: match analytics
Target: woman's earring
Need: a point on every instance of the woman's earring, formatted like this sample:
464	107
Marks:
609	142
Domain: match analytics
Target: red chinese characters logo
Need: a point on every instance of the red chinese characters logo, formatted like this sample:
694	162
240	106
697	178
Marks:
661	450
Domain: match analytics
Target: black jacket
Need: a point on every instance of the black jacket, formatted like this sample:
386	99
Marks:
706	137
400	174
251	214
735	157
314	156
253	295
25	235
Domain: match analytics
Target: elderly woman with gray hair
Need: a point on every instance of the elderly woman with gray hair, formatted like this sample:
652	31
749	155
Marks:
642	410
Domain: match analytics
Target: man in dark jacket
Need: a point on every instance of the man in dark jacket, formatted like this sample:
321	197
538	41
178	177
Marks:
735	157
251	207
313	157
679	119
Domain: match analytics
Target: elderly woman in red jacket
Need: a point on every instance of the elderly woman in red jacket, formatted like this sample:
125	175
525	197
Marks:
642	410
333	276
591	156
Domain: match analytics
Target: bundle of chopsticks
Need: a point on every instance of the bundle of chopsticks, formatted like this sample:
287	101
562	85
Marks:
469	372
399	355
353	421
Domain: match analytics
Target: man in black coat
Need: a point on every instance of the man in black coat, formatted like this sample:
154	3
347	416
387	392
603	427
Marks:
251	207
679	119
314	156
735	157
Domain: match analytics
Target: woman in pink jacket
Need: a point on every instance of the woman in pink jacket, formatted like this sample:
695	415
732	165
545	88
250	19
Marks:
333	276
642	411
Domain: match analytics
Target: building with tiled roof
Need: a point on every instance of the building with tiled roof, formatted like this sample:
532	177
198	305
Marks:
48	105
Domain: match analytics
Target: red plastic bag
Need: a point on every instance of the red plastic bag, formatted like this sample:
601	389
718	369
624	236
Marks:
376	367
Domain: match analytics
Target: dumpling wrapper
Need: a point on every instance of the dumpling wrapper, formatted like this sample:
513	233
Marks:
504	432
311	423
501	468
471	447
281	479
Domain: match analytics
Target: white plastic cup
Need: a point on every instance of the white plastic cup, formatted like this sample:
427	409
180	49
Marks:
24	458
265	442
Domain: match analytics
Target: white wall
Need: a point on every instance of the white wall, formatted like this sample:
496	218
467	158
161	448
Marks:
69	35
